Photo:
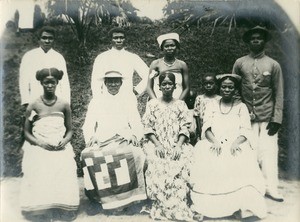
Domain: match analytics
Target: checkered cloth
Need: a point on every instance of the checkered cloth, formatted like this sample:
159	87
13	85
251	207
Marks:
113	174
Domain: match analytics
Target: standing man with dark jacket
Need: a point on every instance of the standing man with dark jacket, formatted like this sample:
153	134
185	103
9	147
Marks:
262	91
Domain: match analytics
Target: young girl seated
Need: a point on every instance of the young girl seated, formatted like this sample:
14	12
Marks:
225	176
49	185
209	84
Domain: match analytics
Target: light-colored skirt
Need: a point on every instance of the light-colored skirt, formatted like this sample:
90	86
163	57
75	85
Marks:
223	184
50	179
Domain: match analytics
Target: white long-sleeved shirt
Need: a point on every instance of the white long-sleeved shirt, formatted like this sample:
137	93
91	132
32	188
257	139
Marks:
126	63
111	115
35	60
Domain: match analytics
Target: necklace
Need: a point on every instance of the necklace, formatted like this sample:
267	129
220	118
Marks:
47	103
169	64
220	106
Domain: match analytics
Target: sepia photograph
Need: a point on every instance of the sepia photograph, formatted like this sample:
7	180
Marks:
149	110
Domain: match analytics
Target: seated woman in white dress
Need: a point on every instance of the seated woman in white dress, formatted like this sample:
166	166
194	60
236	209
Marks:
113	160
225	176
49	185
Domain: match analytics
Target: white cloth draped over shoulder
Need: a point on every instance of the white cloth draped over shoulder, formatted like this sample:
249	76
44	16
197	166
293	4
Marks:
35	60
126	63
50	178
110	115
113	173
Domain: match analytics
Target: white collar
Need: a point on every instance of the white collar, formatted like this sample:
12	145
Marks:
117	50
49	51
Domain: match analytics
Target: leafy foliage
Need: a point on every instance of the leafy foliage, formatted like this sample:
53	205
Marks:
223	13
82	14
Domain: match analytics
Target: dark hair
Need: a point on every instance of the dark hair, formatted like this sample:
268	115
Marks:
41	74
107	79
176	43
165	74
209	74
116	30
234	80
48	29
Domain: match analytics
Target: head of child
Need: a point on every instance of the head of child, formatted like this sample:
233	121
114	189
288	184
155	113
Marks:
113	82
167	83
49	79
229	84
209	83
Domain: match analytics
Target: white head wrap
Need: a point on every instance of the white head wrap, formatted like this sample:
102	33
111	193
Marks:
162	38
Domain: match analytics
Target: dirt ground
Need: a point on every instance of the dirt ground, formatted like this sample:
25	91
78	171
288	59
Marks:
287	211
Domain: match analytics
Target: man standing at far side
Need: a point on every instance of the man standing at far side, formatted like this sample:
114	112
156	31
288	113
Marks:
117	58
262	91
38	59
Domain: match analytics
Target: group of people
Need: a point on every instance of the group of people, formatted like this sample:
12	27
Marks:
214	158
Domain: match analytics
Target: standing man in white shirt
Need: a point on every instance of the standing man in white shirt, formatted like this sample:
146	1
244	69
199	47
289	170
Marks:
125	62
38	59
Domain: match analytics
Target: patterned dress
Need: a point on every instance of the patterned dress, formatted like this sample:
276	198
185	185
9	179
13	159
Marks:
167	179
201	102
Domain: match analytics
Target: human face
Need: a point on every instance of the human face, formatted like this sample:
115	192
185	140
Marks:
118	40
46	41
257	42
167	87
227	90
49	84
113	85
169	47
209	85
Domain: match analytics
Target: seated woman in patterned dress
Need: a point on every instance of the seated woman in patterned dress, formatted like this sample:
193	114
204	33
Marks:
225	176
49	185
168	153
113	160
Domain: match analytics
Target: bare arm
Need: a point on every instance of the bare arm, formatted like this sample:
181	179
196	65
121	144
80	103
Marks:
153	139
236	143
181	139
150	83
199	126
210	136
185	82
68	125
178	149
159	149
216	146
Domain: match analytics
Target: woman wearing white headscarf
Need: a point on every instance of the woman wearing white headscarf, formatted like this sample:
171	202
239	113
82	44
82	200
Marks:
169	43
